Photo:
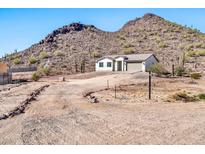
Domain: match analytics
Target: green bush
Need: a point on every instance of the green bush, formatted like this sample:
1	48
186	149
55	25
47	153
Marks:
32	60
158	69
129	51
202	96
95	54
43	55
196	76
35	76
58	53
16	61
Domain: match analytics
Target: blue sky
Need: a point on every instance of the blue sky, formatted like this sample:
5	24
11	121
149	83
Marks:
20	28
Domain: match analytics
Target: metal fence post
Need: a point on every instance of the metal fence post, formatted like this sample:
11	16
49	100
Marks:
150	84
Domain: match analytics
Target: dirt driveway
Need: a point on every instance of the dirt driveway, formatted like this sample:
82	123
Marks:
61	115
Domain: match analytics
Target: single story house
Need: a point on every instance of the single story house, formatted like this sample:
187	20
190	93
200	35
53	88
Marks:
131	63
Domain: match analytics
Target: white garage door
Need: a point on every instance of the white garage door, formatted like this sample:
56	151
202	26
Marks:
134	67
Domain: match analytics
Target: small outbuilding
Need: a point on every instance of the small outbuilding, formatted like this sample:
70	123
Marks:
3	68
131	63
5	77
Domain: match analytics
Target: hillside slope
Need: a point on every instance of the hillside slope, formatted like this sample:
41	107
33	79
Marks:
75	47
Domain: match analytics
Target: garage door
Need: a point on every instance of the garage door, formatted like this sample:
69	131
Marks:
134	67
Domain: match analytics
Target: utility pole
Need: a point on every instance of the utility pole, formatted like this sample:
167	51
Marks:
150	84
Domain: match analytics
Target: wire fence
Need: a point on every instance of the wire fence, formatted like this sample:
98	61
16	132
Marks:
23	69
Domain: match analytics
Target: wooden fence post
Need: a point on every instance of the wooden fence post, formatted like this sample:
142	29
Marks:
173	70
150	84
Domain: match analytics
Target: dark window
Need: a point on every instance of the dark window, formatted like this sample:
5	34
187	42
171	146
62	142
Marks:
109	64
101	64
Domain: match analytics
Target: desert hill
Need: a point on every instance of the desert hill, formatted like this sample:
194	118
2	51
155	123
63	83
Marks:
75	47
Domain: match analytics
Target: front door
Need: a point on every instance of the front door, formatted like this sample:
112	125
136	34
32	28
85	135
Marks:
119	65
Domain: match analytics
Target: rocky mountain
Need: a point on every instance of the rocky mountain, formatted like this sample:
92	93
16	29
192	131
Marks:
75	47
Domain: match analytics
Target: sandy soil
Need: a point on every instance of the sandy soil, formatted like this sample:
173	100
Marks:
61	115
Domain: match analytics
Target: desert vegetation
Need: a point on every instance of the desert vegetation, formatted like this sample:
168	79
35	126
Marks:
36	76
17	61
58	53
43	55
159	70
32	59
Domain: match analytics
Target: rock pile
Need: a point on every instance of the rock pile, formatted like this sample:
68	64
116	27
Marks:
91	98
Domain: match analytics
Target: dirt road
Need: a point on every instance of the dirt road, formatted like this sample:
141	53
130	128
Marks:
61	115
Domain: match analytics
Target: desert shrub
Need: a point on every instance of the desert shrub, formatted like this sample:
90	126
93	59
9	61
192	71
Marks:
202	96
158	39
198	44
128	51
58	53
194	53
36	76
191	53
17	61
121	37
32	60
163	45
95	54
181	71
195	76
201	52
158	69
43	55
45	71
128	45
189	47
183	96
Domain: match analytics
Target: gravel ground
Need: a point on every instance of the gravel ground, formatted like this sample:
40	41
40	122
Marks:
61	115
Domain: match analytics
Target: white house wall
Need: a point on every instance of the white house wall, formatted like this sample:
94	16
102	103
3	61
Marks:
149	62
145	65
104	68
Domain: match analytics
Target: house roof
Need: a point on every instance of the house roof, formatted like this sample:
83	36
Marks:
131	57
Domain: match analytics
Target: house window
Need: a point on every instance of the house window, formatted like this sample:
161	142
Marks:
101	64
109	64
